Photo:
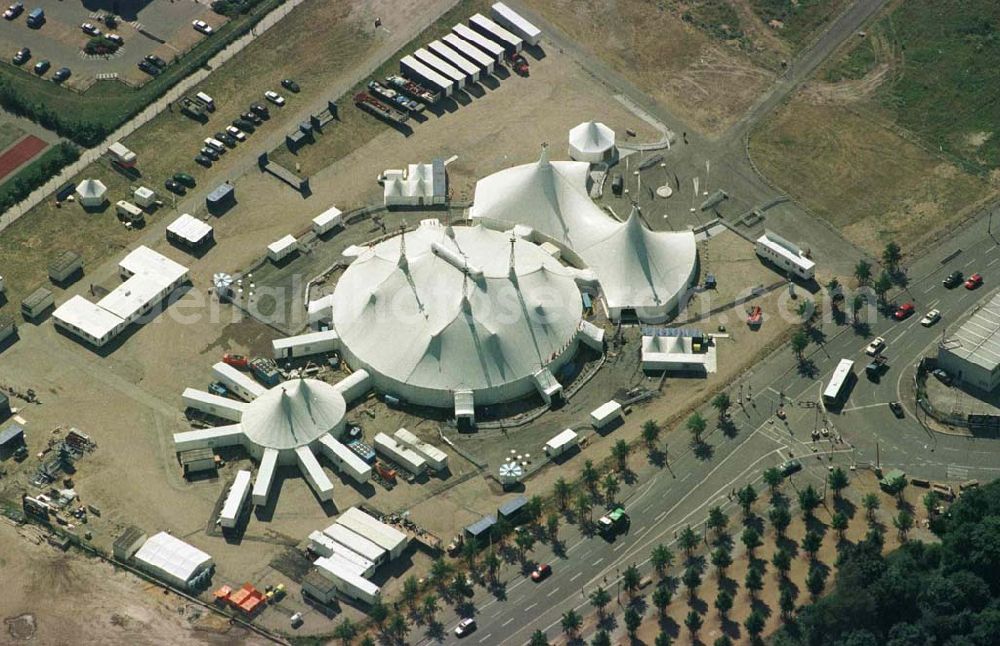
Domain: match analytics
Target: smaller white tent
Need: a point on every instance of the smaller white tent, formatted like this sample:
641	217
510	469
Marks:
592	141
91	192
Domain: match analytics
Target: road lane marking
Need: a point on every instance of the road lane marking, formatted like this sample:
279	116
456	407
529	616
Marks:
990	263
553	592
597	562
506	622
575	577
530	607
660	517
686	476
485	638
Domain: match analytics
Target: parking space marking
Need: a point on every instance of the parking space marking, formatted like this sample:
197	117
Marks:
575	577
552	592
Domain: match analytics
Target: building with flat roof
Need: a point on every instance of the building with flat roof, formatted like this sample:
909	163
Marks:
972	352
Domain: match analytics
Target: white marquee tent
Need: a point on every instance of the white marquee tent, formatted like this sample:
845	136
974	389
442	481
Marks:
592	142
91	193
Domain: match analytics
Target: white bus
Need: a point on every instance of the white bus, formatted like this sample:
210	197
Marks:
838	386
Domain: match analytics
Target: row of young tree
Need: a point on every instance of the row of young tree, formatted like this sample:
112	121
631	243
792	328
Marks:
37	173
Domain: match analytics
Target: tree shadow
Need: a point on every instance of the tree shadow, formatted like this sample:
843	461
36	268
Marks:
499	590
861	328
807	368
698	604
729	584
779	499
435	631
839	316
758	605
846	507
787	544
728	428
657	458
669	626
730	628
754	522
703	451
629	476
816	335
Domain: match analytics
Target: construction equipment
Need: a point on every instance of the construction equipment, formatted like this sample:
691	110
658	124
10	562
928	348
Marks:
411	89
372	105
519	64
193	109
394	98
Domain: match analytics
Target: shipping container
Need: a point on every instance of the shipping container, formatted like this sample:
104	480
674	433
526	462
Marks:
214	405
561	443
282	248
265	476
516	23
485	62
435	457
348	582
486	27
314	473
453	57
354	385
490	47
389	538
605	414
414	70
237	382
401	455
347	461
327	220
232	508
304	345
446	69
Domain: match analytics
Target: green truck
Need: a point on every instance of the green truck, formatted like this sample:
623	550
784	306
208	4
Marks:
613	523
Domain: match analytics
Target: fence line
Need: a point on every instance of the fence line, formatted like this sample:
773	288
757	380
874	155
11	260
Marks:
91	155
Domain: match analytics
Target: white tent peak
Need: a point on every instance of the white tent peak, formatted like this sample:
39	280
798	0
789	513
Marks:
543	158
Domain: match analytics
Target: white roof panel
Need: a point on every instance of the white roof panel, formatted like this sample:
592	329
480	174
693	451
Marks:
189	228
89	317
172	556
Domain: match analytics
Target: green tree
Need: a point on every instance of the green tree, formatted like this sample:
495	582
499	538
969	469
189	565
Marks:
538	638
662	596
492	563
534	508
721	403
816	580
721	559
723	602
650	434
809	500
571	623
903	522
662	558
780	519
345	631
552	526
773	478
470	550
411	590
367	640
722	640
839	524
459	586
378	612
694	623
863	272
882	285
600	598
811	544
871	504
857	304
691	580
891	256
786	600
800	341
631	579
620	452
838	481
696	426
583	508
440	571
398	626
753	582
833	287
601	638
429	608
782	561
751	540
590	476
562	491
524	541
717	520
688	540
663	639
632	620
746	496
611	488
754	625
931	501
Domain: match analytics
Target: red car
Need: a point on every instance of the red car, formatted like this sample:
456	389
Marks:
237	361
973	281
541	572
903	311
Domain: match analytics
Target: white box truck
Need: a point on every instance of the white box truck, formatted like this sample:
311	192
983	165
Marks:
404	457
561	443
605	414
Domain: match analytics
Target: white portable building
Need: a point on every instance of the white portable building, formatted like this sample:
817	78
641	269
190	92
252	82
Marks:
388	538
346	460
490	29
172	560
321	544
282	248
446	69
144	197
235	499
265	476
785	255
465	407
314	473
354	385
348	582
605	414
561	443
305	345
450	55
435	457
239	383
357	543
516	23
189	231
480	41
208	438
401	455
327	220
88	320
414	70
486	62
128	211
210	404
340	553
592	142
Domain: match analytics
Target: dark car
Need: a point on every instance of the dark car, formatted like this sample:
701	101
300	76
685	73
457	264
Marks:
953	280
942	376
226	138
788	467
13	11
185	179
260	110
203	161
210	152
155	60
22	56
42	66
61	74
897	409
290	85
149	68
252	117
175	187
116	39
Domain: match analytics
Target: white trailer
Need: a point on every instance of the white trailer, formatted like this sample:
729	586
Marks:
389	538
265	476
357	543
404	457
490	29
314	473
365	567
282	248
562	442
605	414
785	255
480	41
305	345
414	70
327	220
144	197
447	70
209	438
210	404
348	582
237	497
435	457
516	23
121	155
320	543
238	383
347	461
486	62
128	212
456	59
354	385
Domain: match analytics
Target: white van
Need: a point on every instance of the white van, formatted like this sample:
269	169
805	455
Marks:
215	144
207	100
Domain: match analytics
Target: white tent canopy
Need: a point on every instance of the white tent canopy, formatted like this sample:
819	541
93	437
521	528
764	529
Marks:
91	192
591	141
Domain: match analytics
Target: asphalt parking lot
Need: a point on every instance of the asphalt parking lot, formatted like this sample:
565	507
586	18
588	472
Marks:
161	28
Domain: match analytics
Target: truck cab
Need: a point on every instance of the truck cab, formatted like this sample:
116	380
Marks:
613	523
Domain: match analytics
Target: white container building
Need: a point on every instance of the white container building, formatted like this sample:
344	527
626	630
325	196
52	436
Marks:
144	197
516	23
490	29
562	442
547	385
446	69
237	382
190	232
451	56
320	312
208	438
321	544
348	582
210	404
235	499
327	220
304	345
365	567
435	457
354	385
172	560
414	70
282	248
347	461
480	41
357	543
314	473
388	538
265	476
605	414
485	62
785	255
401	455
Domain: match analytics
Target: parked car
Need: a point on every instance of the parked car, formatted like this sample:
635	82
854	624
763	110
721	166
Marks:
541	572
22	56
185	179
903	311
260	110
788	467
931	318
175	187
897	409
954	279
974	281
42	66
238	361
274	97
13	11
244	125
155	60
226	138
202	26
235	132
116	39
876	346
465	627
942	376
149	68
209	152
203	161
61	74
252	117
290	85
90	29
